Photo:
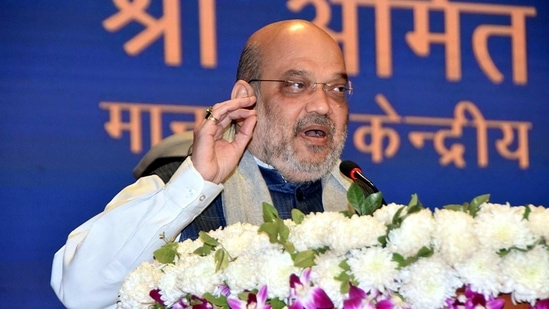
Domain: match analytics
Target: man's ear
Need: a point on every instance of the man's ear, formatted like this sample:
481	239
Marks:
242	89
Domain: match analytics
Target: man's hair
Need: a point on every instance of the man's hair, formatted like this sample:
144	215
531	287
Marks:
249	65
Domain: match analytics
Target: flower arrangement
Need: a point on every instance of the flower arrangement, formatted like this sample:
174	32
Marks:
371	256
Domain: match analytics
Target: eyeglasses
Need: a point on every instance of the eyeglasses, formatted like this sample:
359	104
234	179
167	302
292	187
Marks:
338	91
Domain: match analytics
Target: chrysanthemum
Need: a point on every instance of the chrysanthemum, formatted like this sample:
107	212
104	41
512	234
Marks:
313	232
134	292
527	273
353	233
427	283
168	285
188	246
502	227
277	266
453	236
241	274
374	269
537	221
199	277
414	233
323	275
386	213
482	272
239	238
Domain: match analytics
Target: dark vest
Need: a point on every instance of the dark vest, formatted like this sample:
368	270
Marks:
286	196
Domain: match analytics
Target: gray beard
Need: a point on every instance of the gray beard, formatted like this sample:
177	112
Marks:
280	152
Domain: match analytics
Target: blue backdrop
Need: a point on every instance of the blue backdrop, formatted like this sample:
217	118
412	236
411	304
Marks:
450	102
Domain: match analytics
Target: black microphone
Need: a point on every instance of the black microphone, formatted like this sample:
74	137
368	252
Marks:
353	171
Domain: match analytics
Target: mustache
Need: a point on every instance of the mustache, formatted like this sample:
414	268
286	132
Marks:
315	119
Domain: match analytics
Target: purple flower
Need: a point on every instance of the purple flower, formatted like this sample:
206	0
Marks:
303	295
258	301
541	304
358	299
192	302
473	300
155	294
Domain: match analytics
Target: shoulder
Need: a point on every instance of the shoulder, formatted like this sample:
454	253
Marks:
164	158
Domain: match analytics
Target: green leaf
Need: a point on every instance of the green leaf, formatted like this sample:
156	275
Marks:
382	240
278	232
217	301
283	231
397	218
207	239
474	206
454	207
527	212
344	265
269	212
481	199
345	287
289	247
355	197
414	200
276	303
399	259
414	206
271	229
158	305
321	250
343	276
372	203
166	254
204	250
425	252
304	259
348	213
297	216
221	259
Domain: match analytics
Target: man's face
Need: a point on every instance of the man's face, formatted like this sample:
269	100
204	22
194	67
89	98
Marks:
301	132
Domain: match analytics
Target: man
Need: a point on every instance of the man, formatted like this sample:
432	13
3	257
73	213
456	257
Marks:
288	114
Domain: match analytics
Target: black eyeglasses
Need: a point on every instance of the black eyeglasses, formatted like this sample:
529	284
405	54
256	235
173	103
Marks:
338	91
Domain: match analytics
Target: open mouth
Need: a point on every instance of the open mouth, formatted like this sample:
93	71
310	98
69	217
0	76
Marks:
316	134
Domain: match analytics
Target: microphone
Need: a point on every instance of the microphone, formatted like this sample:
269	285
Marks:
353	171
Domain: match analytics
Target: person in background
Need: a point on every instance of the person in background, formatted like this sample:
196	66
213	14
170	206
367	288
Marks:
278	140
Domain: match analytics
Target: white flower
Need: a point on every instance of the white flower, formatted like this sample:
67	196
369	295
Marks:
134	292
483	272
527	273
241	274
353	233
537	221
428	282
465	253
313	232
386	213
414	233
374	269
502	227
169	285
453	236
242	238
323	275
276	268
197	275
188	246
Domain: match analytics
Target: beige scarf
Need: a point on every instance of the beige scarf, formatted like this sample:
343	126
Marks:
248	191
